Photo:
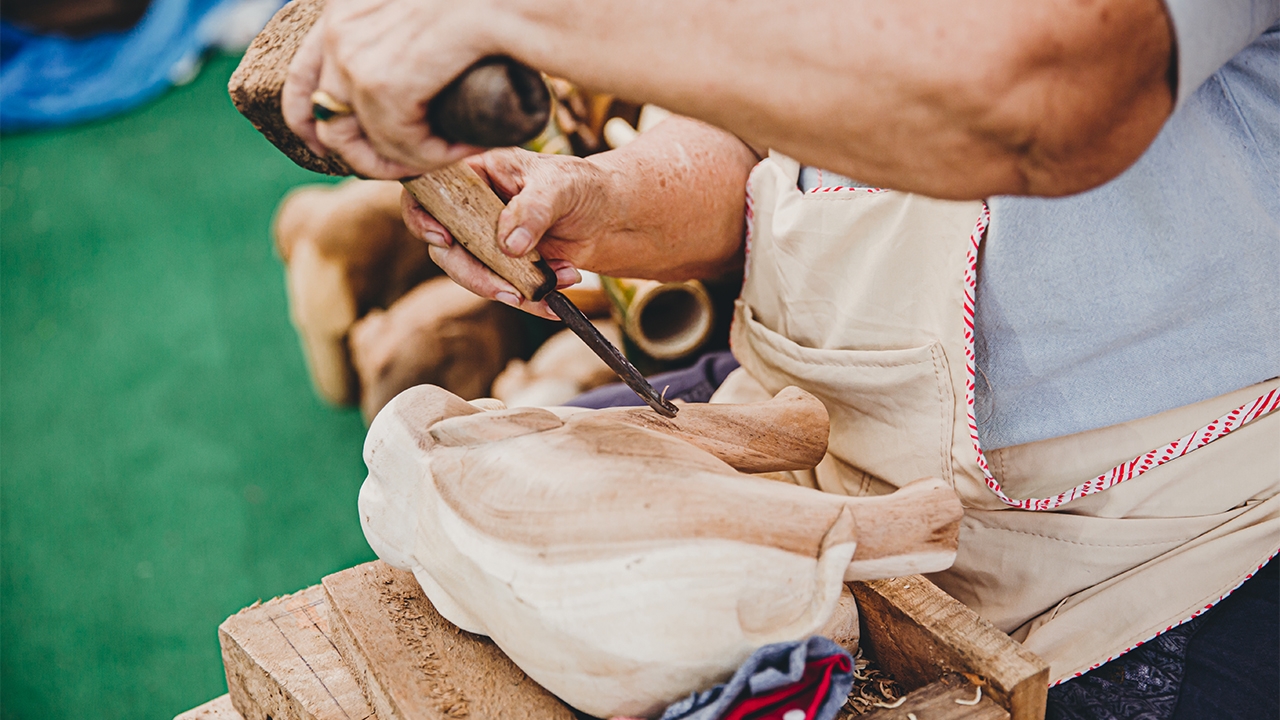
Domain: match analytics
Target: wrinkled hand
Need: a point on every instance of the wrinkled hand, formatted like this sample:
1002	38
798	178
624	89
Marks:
556	203
386	59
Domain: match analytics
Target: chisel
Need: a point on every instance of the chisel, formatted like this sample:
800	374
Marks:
465	204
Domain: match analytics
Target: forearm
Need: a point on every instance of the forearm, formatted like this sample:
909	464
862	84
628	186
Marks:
951	99
676	203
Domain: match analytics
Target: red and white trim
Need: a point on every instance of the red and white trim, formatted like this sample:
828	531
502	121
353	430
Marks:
1233	420
1154	635
843	188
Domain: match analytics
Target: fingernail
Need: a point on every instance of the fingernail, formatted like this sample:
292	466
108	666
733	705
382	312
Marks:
507	298
568	276
519	241
435	238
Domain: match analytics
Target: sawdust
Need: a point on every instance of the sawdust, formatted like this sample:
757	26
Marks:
872	687
411	621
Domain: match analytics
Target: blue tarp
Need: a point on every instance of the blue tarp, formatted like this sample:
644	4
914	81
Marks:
48	80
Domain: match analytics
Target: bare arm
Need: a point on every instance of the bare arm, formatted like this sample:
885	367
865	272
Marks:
668	206
951	98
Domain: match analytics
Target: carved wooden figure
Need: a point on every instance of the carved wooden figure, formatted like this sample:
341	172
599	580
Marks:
562	368
346	251
622	559
438	333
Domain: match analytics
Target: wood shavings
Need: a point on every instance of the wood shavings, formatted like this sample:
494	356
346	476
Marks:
912	716
872	688
974	701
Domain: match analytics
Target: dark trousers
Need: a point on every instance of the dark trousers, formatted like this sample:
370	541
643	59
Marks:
1223	665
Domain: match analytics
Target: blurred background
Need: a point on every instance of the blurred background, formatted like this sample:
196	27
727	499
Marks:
164	461
190	347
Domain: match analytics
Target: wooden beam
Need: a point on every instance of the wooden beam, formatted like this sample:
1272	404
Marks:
916	633
415	665
281	663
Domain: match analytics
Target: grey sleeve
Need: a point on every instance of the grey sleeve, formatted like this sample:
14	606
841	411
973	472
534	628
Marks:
1208	33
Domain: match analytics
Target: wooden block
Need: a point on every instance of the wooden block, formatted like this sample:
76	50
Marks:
917	633
220	708
414	664
258	83
281	663
949	698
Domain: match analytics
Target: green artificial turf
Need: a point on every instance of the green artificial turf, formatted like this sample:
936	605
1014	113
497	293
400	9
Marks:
163	460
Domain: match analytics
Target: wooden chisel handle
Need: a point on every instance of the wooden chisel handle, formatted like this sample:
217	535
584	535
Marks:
465	204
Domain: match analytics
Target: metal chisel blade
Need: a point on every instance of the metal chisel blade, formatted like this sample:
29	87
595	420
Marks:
583	328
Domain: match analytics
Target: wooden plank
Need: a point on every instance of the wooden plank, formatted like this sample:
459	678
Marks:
219	708
917	633
414	664
282	665
949	698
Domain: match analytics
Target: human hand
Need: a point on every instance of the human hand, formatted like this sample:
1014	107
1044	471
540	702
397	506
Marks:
557	203
385	59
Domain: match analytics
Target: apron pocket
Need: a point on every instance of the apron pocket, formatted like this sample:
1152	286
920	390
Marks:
892	411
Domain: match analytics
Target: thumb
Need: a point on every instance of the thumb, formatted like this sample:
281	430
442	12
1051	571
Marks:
540	204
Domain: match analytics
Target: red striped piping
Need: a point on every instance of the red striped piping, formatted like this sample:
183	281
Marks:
1233	420
843	188
1154	635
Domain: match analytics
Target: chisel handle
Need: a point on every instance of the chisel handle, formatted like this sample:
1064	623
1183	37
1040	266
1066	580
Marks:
465	204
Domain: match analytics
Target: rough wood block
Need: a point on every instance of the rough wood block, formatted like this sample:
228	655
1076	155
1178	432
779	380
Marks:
219	708
949	698
414	664
281	663
258	83
917	633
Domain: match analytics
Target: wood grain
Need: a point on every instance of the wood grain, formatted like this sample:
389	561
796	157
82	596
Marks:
466	205
220	708
414	664
947	698
916	633
281	663
788	432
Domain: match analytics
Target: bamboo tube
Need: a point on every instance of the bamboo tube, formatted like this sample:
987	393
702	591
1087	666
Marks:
666	321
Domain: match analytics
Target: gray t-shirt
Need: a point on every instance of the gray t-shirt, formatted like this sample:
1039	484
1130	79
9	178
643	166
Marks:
1159	288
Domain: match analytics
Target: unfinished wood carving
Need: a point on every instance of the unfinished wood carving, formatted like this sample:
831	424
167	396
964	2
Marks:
620	565
562	369
346	251
438	333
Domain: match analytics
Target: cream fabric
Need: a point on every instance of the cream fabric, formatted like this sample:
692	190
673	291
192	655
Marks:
857	297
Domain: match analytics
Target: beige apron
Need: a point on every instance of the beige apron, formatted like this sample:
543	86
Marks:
859	296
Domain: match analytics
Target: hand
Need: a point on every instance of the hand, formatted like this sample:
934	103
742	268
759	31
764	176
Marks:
385	59
668	206
556	203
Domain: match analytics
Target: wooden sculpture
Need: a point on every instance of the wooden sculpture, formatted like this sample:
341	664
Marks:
623	559
562	368
438	333
346	251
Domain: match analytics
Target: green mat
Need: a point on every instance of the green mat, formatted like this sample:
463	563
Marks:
163	460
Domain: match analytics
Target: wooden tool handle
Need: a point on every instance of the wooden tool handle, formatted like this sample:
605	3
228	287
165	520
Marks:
469	209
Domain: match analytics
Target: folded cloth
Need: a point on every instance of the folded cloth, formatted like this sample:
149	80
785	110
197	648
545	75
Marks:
802	680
